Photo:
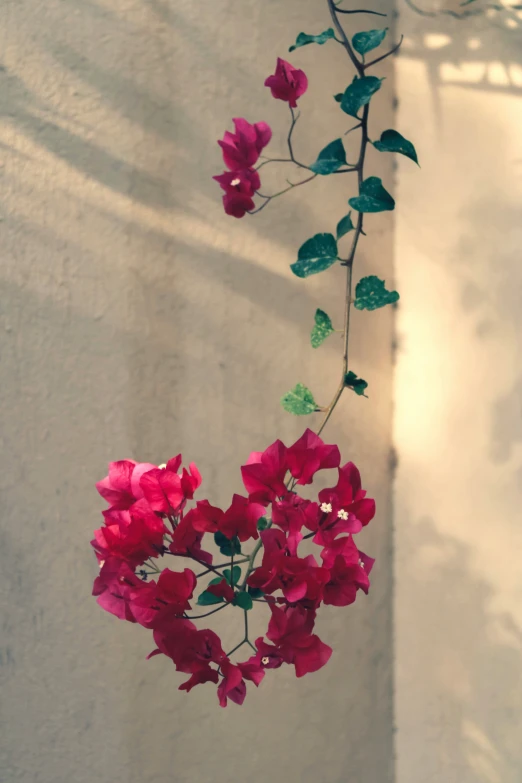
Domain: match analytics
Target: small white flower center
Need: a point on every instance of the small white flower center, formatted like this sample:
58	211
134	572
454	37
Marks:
265	660
162	466
342	514
326	508
102	563
361	563
236	181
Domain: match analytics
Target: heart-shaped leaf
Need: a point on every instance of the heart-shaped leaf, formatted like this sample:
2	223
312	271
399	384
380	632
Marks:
345	225
371	293
227	546
244	600
365	42
359	93
357	384
207	599
322	328
372	197
392	141
255	592
263	523
316	255
303	39
299	401
330	159
236	575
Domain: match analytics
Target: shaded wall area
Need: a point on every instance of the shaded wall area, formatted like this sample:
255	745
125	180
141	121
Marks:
458	617
137	320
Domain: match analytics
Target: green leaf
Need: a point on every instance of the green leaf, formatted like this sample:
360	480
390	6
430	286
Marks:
365	42
359	93
345	225
255	592
299	401
216	580
322	329
227	546
372	197
338	97
371	293
316	255
244	600
392	141
236	575
353	382
207	599
330	159
303	39
262	523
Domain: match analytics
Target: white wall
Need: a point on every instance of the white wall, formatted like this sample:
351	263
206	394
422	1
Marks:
138	320
458	402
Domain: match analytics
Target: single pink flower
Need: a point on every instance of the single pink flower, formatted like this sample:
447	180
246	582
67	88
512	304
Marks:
116	586
121	488
187	541
264	473
188	648
241	519
232	685
287	83
242	149
240	188
202	675
290	630
310	454
205	518
132	535
166	489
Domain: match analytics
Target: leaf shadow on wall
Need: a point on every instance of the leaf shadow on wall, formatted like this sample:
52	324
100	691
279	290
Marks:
479	727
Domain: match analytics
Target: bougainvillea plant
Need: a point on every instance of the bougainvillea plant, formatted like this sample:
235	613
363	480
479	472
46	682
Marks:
152	515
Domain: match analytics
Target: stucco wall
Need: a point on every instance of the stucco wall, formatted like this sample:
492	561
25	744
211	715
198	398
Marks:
458	593
137	320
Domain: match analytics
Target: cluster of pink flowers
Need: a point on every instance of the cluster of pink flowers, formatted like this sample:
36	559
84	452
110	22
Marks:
241	150
147	520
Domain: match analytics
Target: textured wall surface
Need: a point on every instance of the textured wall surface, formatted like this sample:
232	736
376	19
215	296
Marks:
137	320
458	605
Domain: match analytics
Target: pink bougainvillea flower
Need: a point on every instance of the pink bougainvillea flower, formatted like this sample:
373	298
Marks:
202	675
298	578
205	518
264	473
116	586
167	490
287	83
222	590
132	535
341	590
310	454
187	541
252	670
268	656
345	548
242	149
121	488
240	188
232	685
188	648
241	519
290	630
347	495
169	598
292	514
